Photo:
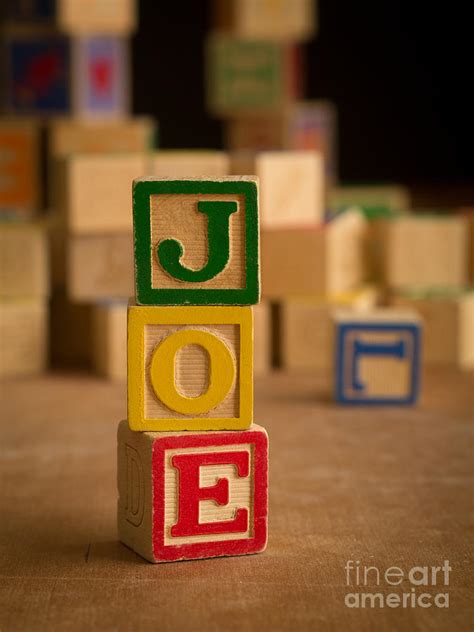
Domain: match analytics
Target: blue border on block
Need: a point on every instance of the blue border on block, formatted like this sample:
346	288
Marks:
412	397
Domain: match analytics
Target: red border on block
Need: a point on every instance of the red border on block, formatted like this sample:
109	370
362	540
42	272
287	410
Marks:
255	544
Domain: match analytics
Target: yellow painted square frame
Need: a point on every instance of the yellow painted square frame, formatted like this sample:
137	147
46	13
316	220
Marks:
139	316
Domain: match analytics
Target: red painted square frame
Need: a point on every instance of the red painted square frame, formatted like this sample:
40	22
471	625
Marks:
255	544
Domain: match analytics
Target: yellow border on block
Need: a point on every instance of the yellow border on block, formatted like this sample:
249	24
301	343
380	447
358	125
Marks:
139	316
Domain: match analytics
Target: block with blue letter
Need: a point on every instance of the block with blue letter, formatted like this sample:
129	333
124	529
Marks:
377	357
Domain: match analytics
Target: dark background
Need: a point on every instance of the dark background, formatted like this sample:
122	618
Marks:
399	73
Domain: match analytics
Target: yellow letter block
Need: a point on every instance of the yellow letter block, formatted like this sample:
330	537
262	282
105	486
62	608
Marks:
190	368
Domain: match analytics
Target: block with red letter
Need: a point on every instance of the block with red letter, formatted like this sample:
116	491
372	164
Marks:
192	495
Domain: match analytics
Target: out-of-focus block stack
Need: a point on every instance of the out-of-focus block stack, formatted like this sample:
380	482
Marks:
24	291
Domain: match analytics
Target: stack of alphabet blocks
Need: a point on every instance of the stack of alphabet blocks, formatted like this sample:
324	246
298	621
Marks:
192	466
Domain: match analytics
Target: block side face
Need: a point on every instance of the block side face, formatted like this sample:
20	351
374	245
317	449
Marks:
168	214
377	363
216	528
190	368
135	489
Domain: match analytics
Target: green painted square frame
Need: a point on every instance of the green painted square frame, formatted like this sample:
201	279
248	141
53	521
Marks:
145	293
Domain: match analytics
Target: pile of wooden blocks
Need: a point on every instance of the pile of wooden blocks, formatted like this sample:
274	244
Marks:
192	466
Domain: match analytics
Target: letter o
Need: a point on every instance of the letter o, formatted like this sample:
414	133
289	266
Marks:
162	372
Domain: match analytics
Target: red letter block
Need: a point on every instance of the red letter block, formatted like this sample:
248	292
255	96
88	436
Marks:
192	495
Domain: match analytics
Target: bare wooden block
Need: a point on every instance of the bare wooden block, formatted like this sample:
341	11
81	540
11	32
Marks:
377	357
19	168
319	261
190	368
262	324
189	163
419	251
248	76
291	186
71	335
310	125
110	339
96	191
305	323
292	20
192	495
448	324
373	199
23	336
24	266
71	136
76	16
49	73
100	266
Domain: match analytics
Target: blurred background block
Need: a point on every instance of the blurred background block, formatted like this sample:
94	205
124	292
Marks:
194	163
110	339
291	185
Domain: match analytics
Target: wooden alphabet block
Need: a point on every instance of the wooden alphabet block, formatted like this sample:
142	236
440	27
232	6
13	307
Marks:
262	323
196	241
75	16
374	200
377	357
19	168
100	267
189	495
292	20
305	325
24	337
190	368
291	185
71	136
419	251
24	269
110	339
189	163
48	73
448	326
95	191
246	76
310	125
315	261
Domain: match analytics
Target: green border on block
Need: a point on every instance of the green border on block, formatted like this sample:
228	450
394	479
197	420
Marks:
145	293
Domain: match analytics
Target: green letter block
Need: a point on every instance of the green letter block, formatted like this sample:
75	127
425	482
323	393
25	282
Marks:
174	228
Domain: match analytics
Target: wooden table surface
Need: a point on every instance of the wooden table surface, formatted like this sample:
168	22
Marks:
386	488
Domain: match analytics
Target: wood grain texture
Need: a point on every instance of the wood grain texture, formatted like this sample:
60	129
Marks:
24	264
20	190
23	337
423	251
448	326
196	241
291	186
159	401
110	339
151	495
100	266
384	486
319	261
305	339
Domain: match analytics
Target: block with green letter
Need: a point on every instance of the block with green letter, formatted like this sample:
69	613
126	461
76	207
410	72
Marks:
196	241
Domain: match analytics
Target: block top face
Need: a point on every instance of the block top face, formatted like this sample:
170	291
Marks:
196	241
383	316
